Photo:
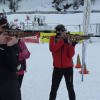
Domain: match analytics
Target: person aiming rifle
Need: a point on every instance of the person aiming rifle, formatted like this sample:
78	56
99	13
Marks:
9	86
62	49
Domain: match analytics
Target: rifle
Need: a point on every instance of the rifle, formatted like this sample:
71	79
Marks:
77	38
27	33
18	33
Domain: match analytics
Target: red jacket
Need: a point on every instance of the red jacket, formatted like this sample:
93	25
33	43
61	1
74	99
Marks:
62	53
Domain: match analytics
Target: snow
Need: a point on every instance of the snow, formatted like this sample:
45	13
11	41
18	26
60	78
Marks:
44	5
37	80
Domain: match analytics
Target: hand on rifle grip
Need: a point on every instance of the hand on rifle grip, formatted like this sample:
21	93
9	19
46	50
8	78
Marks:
8	38
69	38
12	42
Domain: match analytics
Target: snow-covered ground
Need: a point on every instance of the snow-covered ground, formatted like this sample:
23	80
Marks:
37	80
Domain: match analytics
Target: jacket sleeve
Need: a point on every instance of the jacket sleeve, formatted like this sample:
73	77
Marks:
25	52
55	46
11	59
71	51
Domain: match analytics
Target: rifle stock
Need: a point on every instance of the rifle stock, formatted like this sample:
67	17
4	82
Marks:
20	33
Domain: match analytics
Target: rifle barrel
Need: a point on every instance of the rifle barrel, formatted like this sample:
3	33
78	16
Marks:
91	35
96	36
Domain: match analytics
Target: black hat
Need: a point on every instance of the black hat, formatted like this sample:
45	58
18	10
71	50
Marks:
60	28
3	20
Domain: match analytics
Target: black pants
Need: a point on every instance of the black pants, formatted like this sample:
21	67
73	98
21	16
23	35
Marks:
56	79
10	90
20	79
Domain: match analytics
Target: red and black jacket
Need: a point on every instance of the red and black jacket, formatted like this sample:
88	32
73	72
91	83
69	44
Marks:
62	53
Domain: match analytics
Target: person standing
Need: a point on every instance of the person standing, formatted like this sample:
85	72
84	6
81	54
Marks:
9	86
62	50
22	56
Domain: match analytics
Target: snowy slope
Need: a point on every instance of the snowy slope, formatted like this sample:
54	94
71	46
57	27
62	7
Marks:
50	19
44	5
37	80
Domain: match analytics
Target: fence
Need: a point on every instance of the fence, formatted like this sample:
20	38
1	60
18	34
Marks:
93	28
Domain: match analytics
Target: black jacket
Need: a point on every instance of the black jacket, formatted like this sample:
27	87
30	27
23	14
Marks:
8	63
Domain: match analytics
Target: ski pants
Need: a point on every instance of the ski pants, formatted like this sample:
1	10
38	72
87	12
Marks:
58	73
20	79
10	90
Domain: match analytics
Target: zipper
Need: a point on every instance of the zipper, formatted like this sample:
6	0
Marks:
62	50
61	57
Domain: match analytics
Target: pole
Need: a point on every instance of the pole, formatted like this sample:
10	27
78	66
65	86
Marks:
86	20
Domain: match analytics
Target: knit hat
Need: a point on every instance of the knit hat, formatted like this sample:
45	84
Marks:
60	28
3	20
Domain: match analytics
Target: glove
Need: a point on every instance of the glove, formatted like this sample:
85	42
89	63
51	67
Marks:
74	43
12	42
65	40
